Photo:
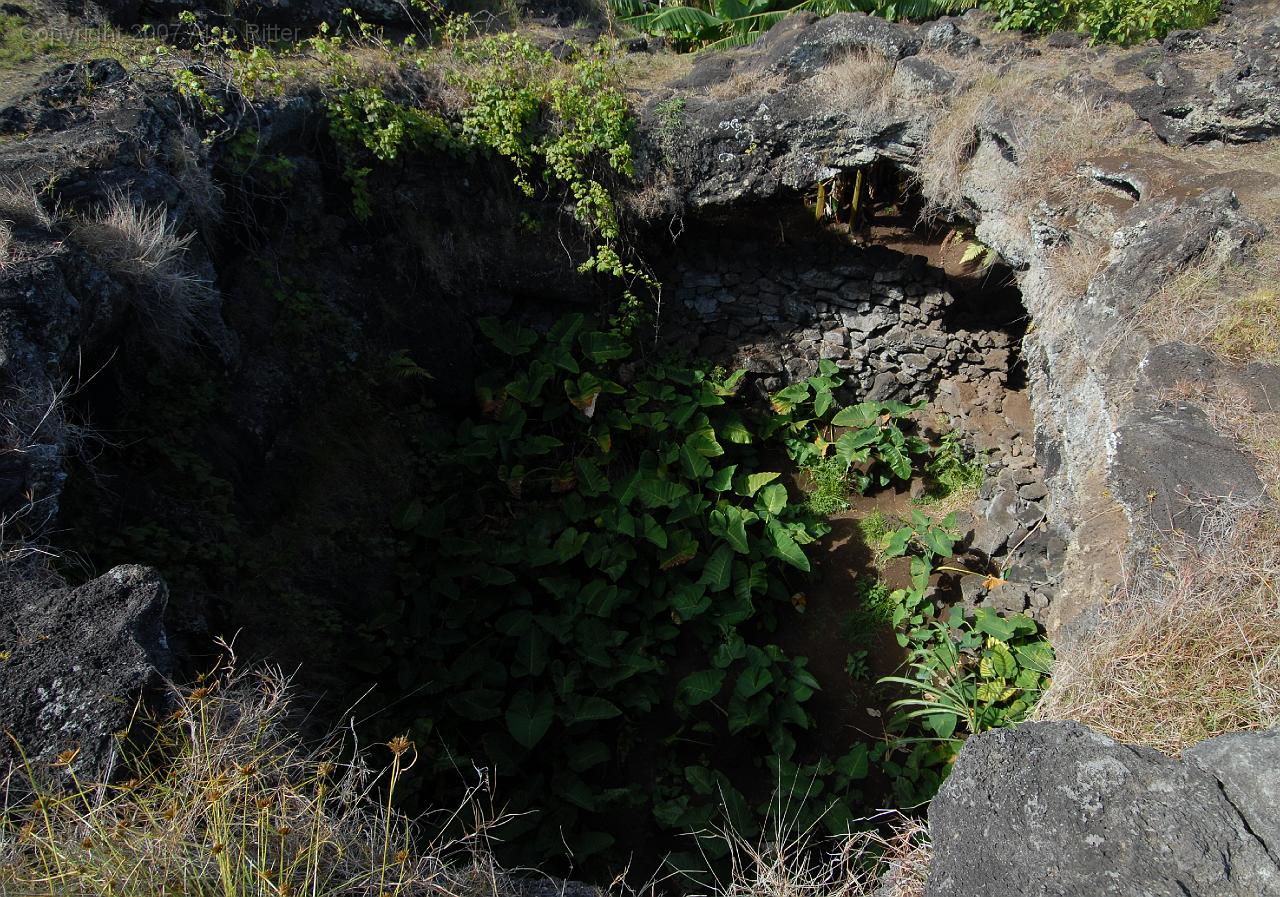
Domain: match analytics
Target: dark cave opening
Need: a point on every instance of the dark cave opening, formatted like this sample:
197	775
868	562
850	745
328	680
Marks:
265	490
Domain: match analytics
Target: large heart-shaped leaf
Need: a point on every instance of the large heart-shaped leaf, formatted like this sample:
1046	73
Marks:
717	572
861	415
786	546
592	709
602	347
529	717
754	482
701	686
773	498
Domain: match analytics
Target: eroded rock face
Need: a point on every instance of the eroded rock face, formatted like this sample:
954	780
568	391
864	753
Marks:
77	661
781	134
1237	105
1056	809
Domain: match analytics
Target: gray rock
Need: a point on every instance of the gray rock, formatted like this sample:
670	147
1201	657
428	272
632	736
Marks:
79	658
1237	106
916	77
1169	459
1056	809
835	36
1033	491
1248	767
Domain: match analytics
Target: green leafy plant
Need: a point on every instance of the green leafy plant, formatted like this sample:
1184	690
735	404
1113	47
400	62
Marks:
875	528
720	24
951	470
1124	22
855	665
967	675
580	528
973	675
875	600
871	445
829	486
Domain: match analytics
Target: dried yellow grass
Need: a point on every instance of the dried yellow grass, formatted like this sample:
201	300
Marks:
860	85
226	801
1231	307
141	246
1052	133
1191	647
745	83
891	860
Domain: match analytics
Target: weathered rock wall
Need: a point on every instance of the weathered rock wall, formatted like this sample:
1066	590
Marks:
1104	440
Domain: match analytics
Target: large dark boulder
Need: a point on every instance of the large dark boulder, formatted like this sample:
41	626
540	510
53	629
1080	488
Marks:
76	662
1057	809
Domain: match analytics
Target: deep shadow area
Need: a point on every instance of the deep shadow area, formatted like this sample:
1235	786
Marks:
268	479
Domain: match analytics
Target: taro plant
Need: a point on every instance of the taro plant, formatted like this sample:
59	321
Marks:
868	438
582	532
924	541
966	674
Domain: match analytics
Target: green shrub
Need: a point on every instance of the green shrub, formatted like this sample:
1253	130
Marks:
875	599
1124	22
719	24
875	531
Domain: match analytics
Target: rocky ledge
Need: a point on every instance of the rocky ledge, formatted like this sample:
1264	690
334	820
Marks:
1057	809
76	661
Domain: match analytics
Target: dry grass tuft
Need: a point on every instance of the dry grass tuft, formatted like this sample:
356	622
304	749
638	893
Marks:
1191	648
1052	134
1074	264
950	147
20	206
141	246
1231	307
860	84
185	157
1250	327
891	860
746	83
1235	413
226	802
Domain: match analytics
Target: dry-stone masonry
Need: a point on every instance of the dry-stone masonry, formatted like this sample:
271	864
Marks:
886	319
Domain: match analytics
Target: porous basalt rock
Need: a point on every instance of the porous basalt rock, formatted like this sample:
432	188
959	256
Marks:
1056	809
76	662
1238	105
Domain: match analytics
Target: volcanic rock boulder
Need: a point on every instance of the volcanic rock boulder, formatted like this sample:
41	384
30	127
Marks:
1057	809
77	660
